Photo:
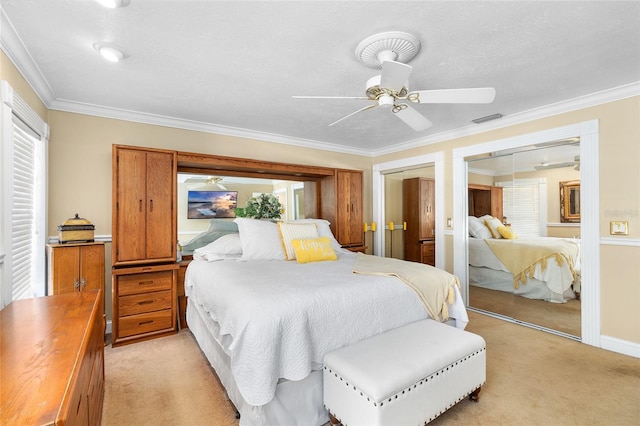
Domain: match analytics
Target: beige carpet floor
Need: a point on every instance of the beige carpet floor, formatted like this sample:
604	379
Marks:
533	378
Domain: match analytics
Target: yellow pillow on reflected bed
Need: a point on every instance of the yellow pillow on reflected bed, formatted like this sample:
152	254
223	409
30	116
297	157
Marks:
507	232
313	250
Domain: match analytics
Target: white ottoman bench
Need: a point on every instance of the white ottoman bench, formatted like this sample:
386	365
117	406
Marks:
406	376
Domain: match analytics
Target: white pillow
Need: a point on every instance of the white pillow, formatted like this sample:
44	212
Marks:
260	239
324	230
477	228
226	247
290	231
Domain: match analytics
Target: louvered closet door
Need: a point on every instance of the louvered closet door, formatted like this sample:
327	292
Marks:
132	205
160	180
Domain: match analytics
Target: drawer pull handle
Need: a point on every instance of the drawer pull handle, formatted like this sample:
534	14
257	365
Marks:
145	302
145	322
145	282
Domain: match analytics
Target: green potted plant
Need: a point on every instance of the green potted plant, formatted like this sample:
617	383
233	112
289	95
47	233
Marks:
263	206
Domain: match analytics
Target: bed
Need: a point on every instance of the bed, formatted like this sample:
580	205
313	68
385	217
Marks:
265	322
542	268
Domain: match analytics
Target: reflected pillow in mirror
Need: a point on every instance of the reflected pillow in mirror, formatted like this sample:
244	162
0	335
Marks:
507	233
477	228
493	224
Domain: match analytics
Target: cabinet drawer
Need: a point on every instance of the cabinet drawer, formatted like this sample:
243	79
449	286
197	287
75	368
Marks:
428	252
145	323
144	302
145	282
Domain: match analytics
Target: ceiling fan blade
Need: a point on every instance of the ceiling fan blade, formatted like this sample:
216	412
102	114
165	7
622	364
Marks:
481	95
554	166
394	75
330	97
413	118
354	113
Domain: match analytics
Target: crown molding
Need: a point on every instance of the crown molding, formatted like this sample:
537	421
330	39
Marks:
12	45
581	102
178	123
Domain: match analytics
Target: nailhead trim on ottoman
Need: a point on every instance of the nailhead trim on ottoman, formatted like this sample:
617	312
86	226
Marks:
406	376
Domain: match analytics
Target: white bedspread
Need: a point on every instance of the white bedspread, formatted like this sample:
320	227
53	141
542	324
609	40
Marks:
557	278
277	319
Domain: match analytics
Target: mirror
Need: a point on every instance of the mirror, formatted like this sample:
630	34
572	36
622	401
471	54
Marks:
526	182
570	201
193	229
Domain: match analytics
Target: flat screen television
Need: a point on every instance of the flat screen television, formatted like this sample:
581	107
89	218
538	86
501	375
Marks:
211	204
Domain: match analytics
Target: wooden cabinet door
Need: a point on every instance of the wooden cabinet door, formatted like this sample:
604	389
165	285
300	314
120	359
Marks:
350	220
144	206
418	209
63	269
496	202
160	242
426	207
91	266
131	204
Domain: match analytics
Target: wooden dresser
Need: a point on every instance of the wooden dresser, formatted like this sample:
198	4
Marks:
52	355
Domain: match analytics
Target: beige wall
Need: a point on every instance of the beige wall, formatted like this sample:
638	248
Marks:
80	177
619	129
9	72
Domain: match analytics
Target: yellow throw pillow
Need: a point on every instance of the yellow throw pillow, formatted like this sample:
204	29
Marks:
493	224
313	250
295	231
507	232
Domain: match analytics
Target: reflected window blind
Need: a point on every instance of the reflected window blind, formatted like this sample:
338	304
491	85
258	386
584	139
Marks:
521	206
23	225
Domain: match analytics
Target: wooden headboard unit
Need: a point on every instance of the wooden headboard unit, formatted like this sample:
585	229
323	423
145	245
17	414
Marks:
485	199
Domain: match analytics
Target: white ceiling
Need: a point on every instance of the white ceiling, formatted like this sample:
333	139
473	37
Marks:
232	67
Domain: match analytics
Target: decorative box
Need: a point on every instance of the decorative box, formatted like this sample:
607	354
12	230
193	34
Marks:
76	230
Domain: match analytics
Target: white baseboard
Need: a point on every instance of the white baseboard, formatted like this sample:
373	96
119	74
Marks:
620	346
108	328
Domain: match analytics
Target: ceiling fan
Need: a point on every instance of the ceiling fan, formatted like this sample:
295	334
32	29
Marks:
575	164
389	90
196	182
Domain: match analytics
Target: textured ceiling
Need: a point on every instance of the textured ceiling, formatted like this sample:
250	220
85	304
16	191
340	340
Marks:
233	66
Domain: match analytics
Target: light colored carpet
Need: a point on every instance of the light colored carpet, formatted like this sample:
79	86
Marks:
165	381
533	378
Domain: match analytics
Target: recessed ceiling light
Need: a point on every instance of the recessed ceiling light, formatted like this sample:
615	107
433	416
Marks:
112	4
110	53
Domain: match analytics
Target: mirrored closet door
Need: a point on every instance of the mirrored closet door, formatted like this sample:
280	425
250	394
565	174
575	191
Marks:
524	259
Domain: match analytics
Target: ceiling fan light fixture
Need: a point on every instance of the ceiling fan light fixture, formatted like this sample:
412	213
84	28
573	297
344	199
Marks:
386	101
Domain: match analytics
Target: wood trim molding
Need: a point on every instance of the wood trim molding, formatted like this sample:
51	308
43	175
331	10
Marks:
189	162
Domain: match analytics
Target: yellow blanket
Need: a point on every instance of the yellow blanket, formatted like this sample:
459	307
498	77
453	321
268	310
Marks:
434	286
521	256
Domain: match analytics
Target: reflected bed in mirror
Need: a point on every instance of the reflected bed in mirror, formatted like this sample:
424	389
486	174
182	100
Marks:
570	201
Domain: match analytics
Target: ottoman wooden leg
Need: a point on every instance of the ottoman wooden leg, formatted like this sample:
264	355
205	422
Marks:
475	395
333	420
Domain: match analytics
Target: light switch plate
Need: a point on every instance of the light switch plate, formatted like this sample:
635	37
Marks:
619	227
